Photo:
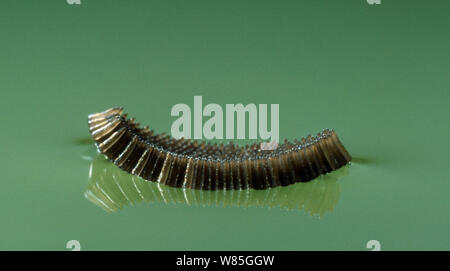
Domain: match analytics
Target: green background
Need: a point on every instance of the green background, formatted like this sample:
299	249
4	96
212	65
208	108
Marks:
376	74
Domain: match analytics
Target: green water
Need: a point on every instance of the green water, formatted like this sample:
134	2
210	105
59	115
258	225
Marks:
377	74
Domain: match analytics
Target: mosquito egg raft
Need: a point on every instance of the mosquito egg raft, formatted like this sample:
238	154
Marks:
189	164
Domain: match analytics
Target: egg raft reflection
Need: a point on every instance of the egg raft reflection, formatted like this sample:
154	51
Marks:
113	189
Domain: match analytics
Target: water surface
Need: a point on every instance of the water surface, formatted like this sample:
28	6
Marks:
378	75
